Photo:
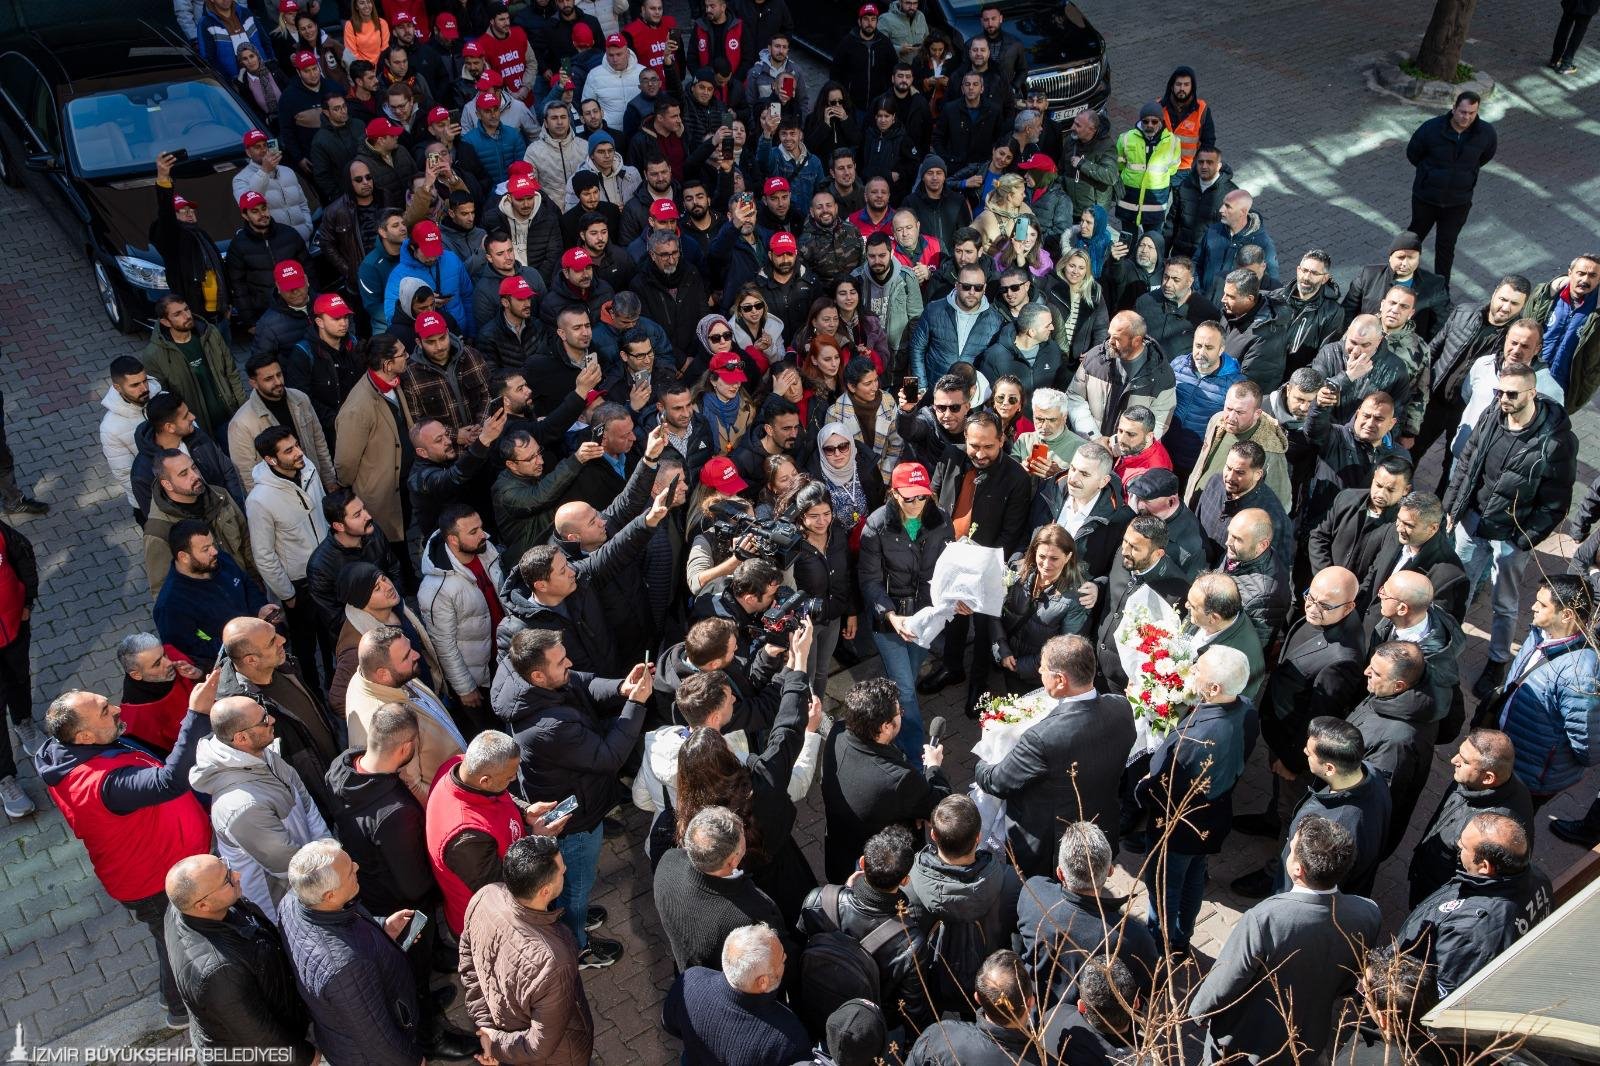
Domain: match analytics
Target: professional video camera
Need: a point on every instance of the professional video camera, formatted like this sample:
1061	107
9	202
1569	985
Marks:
789	609
775	540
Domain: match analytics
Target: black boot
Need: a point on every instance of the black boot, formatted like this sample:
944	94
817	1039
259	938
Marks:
1584	832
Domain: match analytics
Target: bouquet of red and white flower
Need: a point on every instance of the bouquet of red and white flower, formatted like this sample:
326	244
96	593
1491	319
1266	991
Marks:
1157	658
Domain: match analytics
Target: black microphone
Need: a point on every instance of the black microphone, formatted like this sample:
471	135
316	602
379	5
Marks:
936	731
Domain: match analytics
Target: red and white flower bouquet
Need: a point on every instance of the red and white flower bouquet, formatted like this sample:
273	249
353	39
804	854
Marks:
1157	657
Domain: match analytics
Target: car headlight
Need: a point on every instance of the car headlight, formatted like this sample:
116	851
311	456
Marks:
142	272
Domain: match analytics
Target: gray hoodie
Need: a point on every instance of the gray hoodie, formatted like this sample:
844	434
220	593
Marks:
261	813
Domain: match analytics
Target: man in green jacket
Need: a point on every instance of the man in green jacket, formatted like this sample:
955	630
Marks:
191	358
525	497
1090	174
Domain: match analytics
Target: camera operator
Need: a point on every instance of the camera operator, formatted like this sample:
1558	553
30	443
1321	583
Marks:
743	597
822	571
713	644
711	552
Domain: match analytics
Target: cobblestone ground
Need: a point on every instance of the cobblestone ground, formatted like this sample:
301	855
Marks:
1324	157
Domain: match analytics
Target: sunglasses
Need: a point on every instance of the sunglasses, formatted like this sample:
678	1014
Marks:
362	177
752	307
1508	394
948	407
971	288
835	449
720	335
1018	287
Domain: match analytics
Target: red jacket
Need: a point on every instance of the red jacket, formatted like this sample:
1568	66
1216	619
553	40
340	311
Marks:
453	809
131	853
157	723
864	225
928	253
1153	457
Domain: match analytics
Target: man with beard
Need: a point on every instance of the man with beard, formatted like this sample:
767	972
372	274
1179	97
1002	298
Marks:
778	210
941	212
1467	334
958	328
1350	534
1187	115
353	537
1565	307
181	492
333	148
286	525
1142	562
1418	542
575	287
672	293
829	246
156	681
514	336
1264	582
588	199
785	284
698	220
968	126
1401	340
350	224
1204	375
914	115
874	214
1155	492
190	357
1310	307
273	403
1241	419
1241	484
203	592
658	186
1347	454
613	267
1371	283
1196	199
500	265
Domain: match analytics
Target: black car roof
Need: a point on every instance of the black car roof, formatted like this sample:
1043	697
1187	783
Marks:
98	55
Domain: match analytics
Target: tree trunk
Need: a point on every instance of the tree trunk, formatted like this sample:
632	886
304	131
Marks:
1447	32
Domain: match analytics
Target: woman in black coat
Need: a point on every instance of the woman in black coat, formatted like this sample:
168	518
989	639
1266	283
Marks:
832	124
1041	602
822	571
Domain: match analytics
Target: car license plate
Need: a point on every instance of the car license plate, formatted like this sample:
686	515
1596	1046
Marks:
1066	113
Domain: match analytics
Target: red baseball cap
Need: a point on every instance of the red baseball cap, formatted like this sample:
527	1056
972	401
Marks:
288	275
303	60
432	324
332	304
582	35
382	127
445	26
720	474
288	7
517	287
867	9
1038	161
179	203
489	79
253	138
438	115
488	101
616	40
521	187
783	243
403	18
471	48
426	236
576	259
521	168
664	211
729	367
774	185
251	199
911	479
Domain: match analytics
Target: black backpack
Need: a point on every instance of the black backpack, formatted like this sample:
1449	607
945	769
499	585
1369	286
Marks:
835	967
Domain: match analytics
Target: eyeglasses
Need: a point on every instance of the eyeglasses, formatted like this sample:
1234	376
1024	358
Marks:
947	408
227	882
1325	606
752	307
1017	287
720	335
836	449
967	287
1508	394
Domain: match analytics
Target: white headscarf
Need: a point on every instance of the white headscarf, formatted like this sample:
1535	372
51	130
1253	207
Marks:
844	478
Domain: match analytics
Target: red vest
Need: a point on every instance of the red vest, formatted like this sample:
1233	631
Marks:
650	42
1188	132
928	254
453	809
864	225
158	723
508	58
732	45
132	852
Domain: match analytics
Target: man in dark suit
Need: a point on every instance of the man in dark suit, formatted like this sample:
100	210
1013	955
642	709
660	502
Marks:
1309	939
1482	784
1143	562
1068	767
1216	611
867	783
1318	672
986	494
1265	588
1085	503
1349	533
1406	611
1417	541
1241	485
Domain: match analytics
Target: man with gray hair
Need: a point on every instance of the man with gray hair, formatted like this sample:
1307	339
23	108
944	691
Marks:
260	809
701	893
352	973
1065	919
735	1017
1189	788
156	681
1081	503
233	972
1050	429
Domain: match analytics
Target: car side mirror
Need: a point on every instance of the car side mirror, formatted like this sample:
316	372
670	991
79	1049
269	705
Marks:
43	162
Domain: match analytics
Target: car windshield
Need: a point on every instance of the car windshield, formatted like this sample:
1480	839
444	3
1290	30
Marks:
124	130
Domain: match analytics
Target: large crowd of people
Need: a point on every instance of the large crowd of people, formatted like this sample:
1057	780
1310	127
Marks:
624	386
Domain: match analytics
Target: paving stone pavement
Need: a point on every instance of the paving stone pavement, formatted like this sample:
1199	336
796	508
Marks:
1325	158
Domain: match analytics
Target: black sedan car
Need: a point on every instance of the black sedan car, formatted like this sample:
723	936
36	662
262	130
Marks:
84	111
1066	55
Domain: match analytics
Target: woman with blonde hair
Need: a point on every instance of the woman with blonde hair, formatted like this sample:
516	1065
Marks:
1079	305
1007	202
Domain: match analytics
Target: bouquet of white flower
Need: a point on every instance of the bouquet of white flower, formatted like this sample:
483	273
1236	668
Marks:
1003	720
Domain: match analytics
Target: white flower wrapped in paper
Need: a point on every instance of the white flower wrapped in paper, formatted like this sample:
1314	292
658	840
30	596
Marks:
966	573
1003	720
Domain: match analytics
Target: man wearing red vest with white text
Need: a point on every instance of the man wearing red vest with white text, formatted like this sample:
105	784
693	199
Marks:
473	819
135	814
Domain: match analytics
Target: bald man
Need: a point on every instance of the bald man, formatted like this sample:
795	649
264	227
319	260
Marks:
1318	672
1406	610
1360	363
261	811
1493	900
234	975
1261	576
1127	370
1237	226
1398	725
1482	783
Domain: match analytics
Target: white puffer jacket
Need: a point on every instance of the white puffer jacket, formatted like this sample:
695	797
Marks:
456	615
286	200
615	188
556	160
286	525
117	426
614	89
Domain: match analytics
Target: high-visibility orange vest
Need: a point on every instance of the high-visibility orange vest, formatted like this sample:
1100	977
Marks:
1187	132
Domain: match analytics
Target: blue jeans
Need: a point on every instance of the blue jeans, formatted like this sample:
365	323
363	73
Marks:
1502	564
901	661
581	853
1185	889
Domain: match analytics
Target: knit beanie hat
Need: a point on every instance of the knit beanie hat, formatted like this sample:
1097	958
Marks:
599	137
356	583
1150	110
857	1035
1405	241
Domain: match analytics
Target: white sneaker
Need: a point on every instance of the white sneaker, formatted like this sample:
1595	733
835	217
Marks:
30	738
17	803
